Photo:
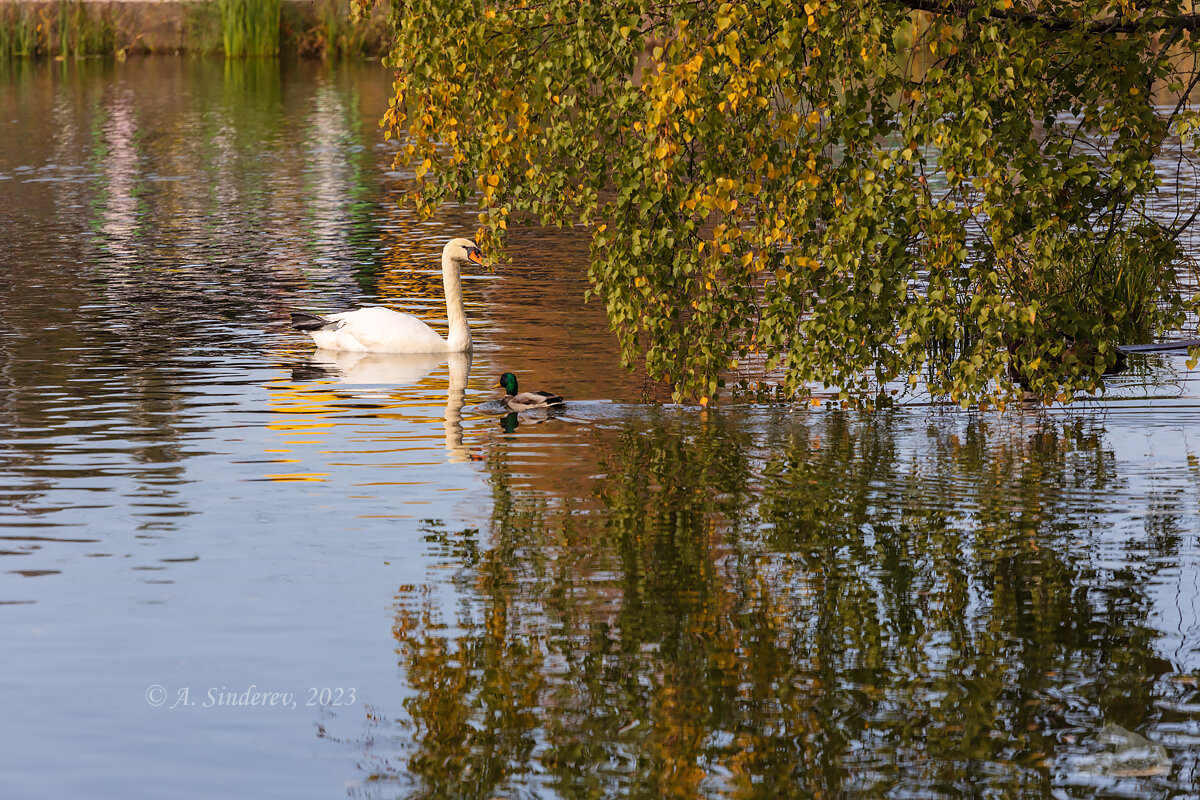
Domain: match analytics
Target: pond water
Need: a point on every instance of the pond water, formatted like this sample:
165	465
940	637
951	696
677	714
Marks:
230	569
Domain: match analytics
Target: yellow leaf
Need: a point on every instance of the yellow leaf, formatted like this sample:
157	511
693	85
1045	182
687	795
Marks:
493	180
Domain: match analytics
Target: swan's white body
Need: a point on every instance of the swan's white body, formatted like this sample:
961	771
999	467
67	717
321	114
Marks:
381	330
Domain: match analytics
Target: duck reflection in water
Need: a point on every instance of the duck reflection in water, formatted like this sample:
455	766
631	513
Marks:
513	419
397	369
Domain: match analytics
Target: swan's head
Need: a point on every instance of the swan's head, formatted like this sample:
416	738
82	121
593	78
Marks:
462	250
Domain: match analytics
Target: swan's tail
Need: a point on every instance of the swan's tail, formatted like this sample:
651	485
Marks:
304	321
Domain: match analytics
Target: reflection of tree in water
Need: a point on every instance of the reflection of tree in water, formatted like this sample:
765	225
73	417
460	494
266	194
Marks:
836	606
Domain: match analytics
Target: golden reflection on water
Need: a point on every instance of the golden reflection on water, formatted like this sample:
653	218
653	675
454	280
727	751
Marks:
327	409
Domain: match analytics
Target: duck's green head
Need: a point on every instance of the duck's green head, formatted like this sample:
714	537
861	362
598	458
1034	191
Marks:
509	382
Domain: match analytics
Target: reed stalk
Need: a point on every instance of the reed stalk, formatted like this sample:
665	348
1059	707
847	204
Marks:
250	27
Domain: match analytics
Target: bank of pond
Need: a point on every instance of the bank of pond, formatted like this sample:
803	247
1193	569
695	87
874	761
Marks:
299	28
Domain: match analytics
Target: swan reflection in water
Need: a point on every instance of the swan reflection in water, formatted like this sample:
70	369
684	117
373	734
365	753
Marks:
387	370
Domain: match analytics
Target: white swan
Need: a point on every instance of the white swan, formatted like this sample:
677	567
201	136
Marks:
381	330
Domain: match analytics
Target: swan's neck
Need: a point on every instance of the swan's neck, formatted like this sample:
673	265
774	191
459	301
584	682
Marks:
456	315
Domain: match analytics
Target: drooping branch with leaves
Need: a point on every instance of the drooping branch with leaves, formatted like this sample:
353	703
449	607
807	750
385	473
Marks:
860	195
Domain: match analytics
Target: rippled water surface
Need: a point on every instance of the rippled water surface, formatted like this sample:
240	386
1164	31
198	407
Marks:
229	567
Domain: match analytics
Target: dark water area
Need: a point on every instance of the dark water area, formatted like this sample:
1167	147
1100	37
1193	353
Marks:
231	568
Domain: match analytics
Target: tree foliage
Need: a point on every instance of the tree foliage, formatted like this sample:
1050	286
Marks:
850	193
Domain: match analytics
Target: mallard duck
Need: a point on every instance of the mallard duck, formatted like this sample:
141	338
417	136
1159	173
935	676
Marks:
523	401
381	330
